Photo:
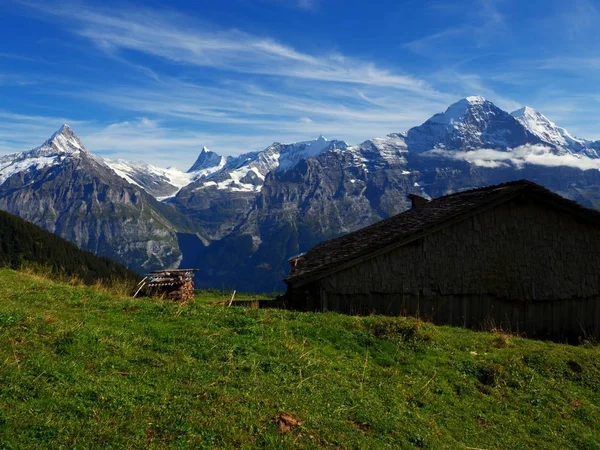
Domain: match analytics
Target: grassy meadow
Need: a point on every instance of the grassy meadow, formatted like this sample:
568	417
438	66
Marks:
85	367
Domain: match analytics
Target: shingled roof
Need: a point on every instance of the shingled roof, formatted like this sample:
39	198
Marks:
426	216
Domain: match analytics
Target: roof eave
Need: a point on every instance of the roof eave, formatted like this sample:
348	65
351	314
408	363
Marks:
539	192
337	266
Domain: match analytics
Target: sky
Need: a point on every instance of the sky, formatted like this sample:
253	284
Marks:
155	81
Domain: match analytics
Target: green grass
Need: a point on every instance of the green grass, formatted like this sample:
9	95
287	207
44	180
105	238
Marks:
216	296
82	368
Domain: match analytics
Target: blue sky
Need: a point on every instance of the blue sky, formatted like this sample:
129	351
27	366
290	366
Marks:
155	81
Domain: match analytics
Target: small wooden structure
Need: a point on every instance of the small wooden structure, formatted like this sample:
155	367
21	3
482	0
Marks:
174	284
514	256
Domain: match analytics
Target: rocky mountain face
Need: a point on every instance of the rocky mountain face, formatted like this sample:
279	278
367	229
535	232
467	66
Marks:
221	200
547	130
158	182
471	123
341	190
63	188
240	218
165	183
208	162
318	198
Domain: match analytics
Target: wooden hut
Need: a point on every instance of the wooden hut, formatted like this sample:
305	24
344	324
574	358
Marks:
174	284
514	256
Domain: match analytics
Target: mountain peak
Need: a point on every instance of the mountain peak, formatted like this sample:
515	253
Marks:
475	99
472	122
65	128
206	160
545	129
526	111
456	112
65	141
63	144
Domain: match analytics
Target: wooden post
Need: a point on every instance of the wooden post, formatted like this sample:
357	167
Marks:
232	297
141	285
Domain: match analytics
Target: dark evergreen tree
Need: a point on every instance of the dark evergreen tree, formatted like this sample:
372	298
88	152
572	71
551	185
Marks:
23	243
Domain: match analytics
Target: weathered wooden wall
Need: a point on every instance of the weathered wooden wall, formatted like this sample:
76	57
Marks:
567	319
524	266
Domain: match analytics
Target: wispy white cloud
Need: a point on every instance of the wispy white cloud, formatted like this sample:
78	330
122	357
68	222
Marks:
479	22
230	117
467	83
19	132
570	63
11	79
20	57
520	156
430	44
141	139
247	109
172	37
235	91
228	89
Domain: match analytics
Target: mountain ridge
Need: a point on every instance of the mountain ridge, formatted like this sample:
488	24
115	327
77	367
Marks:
67	190
548	131
470	123
239	218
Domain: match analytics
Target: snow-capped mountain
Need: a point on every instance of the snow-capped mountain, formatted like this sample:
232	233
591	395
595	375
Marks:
244	173
239	218
64	188
165	183
471	123
222	199
62	144
158	182
247	172
287	155
379	152
208	162
550	133
473	143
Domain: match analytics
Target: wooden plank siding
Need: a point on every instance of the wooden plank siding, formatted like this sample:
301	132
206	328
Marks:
521	265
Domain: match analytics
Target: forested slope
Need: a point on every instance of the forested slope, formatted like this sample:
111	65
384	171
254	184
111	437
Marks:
25	244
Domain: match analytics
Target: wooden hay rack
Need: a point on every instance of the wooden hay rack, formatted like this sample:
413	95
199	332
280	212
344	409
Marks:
173	284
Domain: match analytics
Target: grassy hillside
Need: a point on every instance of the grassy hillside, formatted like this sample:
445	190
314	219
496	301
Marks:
81	368
23	244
